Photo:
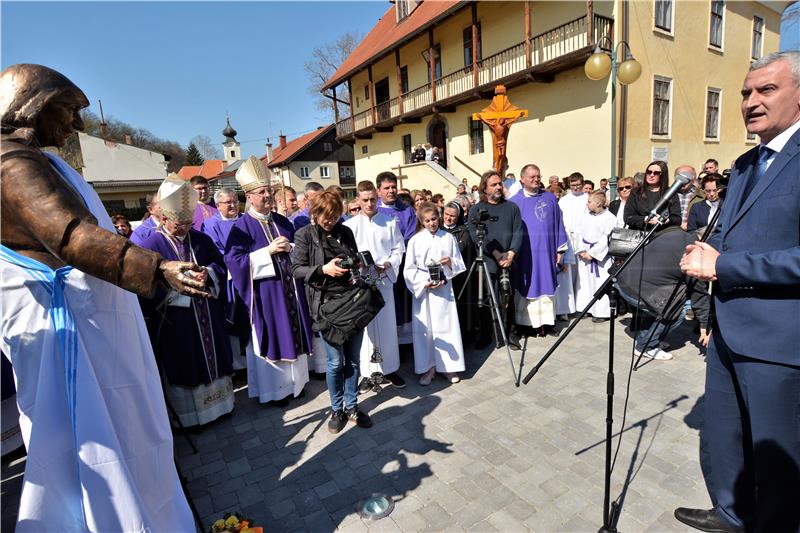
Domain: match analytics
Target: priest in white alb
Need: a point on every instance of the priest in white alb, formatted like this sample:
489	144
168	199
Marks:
379	234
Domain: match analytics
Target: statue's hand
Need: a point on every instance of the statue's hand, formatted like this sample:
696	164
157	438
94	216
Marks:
180	276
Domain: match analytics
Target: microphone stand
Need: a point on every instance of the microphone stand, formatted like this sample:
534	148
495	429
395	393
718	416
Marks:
610	510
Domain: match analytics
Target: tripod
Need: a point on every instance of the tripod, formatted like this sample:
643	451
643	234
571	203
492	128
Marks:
479	265
610	510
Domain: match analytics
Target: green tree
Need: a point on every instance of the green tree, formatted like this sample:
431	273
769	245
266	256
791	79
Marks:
193	157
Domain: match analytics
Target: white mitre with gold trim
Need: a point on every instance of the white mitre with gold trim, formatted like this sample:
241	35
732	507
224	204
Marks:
252	175
177	198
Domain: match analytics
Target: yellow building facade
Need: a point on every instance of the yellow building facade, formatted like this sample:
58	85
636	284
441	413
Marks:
685	107
535	49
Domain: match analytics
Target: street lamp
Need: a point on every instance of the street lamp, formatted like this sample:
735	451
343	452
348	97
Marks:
597	67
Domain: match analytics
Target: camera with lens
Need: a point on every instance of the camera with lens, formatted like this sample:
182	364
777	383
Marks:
484	216
356	265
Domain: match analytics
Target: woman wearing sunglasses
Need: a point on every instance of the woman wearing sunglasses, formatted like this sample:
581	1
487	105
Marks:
617	207
645	198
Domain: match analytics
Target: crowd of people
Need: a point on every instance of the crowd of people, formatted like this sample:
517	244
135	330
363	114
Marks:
291	292
273	267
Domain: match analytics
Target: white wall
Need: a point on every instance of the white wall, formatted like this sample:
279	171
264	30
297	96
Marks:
108	161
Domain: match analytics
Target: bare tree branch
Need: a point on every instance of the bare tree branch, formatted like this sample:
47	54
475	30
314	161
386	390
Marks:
322	65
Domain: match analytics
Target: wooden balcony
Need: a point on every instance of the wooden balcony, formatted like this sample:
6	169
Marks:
556	50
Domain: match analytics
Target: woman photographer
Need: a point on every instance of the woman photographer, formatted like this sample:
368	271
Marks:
316	259
645	198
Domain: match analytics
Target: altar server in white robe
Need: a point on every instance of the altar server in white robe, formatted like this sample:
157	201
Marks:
379	234
594	261
434	323
573	207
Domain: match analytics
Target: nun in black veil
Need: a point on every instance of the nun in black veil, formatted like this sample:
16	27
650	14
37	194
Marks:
454	222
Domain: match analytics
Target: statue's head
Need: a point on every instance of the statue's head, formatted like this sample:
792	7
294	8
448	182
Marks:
38	103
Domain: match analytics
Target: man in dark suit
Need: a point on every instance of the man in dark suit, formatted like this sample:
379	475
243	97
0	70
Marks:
752	397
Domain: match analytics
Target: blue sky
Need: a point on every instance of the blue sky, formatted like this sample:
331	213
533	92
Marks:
176	68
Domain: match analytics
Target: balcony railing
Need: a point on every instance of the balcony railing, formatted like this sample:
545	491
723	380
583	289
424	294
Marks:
559	42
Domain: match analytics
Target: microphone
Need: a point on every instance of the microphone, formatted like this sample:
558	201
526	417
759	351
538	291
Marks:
680	180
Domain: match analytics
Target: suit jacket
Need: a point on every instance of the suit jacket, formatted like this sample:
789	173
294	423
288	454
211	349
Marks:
757	295
698	216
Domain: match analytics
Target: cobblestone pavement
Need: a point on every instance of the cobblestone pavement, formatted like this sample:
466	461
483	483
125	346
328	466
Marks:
480	455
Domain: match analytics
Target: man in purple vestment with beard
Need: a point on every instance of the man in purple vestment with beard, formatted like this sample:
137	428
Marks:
388	204
189	334
540	254
205	207
257	256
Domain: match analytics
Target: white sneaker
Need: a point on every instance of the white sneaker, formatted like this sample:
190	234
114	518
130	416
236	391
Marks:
655	353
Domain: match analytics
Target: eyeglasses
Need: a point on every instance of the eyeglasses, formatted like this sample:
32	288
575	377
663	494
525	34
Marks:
625	187
710	190
653	172
355	209
229	202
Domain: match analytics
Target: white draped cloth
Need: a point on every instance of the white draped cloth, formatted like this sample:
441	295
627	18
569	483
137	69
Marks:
381	236
92	413
595	229
434	319
573	207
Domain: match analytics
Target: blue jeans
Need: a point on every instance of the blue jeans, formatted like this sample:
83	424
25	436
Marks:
342	374
647	339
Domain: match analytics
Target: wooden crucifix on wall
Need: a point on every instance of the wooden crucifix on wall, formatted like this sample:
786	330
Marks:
499	116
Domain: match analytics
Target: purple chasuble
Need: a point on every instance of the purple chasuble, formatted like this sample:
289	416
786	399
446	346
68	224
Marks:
202	212
405	215
218	229
301	219
143	230
189	362
543	235
277	305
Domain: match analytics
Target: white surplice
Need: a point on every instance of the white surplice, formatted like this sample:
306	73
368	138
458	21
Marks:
594	230
92	413
380	236
573	207
434	319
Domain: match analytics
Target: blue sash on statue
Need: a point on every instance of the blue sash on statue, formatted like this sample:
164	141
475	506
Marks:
53	281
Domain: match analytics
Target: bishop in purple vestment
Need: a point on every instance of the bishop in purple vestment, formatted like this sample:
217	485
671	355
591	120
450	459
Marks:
257	255
189	334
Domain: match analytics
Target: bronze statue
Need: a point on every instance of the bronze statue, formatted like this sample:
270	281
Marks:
499	116
42	217
91	405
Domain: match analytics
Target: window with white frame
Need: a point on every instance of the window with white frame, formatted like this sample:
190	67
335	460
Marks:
662	92
403	8
304	172
717	22
713	101
751	136
324	171
663	13
758	37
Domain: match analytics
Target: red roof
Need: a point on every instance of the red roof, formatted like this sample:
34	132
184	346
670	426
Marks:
293	147
388	33
209	169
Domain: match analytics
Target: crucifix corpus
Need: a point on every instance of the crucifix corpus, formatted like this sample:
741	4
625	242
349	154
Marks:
499	116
